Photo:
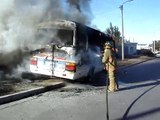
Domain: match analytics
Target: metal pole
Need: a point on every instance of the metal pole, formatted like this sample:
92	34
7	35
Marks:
121	7
53	46
154	50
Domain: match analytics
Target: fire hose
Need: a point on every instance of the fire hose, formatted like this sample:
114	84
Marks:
107	105
107	83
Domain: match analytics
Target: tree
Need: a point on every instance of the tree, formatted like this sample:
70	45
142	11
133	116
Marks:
114	31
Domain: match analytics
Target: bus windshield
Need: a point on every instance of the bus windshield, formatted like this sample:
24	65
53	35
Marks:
61	37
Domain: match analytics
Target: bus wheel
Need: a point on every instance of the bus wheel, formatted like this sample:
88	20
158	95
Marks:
90	75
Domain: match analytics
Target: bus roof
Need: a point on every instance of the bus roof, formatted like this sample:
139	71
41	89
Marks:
60	24
96	37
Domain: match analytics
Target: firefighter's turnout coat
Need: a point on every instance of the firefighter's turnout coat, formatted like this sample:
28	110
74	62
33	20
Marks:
109	59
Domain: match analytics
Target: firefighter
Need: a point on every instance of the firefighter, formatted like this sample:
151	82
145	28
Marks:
110	65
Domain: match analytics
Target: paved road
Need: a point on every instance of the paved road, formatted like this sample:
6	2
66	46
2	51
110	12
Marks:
137	99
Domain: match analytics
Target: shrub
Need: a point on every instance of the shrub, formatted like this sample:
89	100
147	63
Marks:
146	52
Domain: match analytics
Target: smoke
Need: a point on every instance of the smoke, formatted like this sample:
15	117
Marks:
81	10
19	19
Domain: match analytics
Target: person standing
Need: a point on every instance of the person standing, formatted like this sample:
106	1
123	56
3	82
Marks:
110	65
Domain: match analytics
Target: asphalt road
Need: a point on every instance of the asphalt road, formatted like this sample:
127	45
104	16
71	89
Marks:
137	99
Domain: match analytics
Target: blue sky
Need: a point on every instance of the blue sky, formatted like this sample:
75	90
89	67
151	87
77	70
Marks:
141	18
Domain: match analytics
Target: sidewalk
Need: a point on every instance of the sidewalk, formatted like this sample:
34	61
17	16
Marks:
133	61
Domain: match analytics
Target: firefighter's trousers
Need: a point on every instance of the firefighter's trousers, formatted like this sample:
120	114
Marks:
112	81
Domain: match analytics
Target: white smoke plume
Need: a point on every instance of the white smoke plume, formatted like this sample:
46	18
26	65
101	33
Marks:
18	20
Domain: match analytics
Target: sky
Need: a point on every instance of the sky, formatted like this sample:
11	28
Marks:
141	18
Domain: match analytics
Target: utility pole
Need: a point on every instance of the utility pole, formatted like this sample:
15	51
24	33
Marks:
121	8
154	46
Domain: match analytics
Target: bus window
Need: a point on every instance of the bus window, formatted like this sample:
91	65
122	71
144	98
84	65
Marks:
56	36
81	37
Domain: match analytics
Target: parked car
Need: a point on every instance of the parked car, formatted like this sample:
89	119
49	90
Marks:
157	54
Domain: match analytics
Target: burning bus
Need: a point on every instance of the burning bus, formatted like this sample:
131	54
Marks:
73	50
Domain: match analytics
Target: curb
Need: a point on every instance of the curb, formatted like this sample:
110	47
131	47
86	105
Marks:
28	93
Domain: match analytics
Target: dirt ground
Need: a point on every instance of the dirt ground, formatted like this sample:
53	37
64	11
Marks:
12	85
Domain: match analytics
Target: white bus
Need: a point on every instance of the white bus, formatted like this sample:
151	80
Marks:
74	50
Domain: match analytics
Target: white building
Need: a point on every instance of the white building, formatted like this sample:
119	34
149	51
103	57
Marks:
130	48
142	46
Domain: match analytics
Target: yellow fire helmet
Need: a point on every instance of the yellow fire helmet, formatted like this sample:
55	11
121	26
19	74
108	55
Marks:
108	45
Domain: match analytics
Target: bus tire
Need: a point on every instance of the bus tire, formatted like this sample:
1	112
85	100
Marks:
90	75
